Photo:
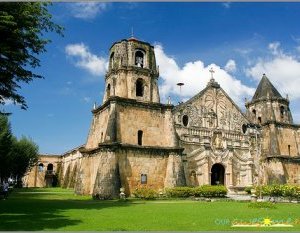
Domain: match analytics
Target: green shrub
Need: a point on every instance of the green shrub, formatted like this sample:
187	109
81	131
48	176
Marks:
145	193
276	190
201	191
180	192
210	191
288	191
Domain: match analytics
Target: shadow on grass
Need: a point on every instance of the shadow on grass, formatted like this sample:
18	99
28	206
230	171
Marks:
34	212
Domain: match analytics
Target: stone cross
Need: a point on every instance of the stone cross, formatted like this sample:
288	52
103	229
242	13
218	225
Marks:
212	73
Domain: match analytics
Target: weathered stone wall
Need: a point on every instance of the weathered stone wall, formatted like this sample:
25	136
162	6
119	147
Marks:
155	122
98	129
102	173
281	171
36	177
87	172
281	140
276	109
163	168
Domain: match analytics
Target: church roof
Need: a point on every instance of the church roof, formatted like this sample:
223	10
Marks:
265	89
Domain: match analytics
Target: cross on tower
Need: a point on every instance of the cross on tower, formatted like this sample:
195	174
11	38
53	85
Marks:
212	73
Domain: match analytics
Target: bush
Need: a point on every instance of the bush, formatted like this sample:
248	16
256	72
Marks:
145	193
180	192
211	191
201	191
288	191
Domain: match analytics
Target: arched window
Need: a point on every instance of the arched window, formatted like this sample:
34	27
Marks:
254	112
139	87
112	60
41	167
259	120
140	137
185	120
50	167
139	59
282	111
108	91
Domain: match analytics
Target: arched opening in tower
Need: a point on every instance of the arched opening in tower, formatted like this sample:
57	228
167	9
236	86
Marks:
140	137
139	59
282	112
139	87
112	60
108	91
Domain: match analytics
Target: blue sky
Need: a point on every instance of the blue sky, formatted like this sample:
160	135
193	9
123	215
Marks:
241	41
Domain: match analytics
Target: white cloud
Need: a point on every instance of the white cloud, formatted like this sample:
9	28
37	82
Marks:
243	51
274	48
230	66
86	99
226	4
85	59
282	69
87	10
195	76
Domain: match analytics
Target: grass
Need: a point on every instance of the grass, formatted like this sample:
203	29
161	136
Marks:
59	209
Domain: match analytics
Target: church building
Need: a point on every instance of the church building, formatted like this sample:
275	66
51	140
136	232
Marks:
135	141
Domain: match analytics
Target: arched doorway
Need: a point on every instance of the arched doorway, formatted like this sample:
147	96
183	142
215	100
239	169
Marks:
217	174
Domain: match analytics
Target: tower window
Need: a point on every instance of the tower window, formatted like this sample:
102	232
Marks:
140	137
112	60
139	59
139	89
254	112
108	91
185	120
259	120
289	149
143	178
282	111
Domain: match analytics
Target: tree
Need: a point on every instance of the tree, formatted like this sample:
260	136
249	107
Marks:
24	156
5	147
16	156
22	28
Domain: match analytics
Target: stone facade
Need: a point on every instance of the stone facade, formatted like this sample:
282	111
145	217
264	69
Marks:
43	173
135	141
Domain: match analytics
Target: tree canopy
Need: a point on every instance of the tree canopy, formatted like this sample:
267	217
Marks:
22	29
16	156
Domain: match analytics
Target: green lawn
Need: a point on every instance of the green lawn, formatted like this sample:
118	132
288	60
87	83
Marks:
59	209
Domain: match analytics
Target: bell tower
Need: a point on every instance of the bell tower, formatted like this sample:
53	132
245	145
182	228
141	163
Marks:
267	105
132	71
